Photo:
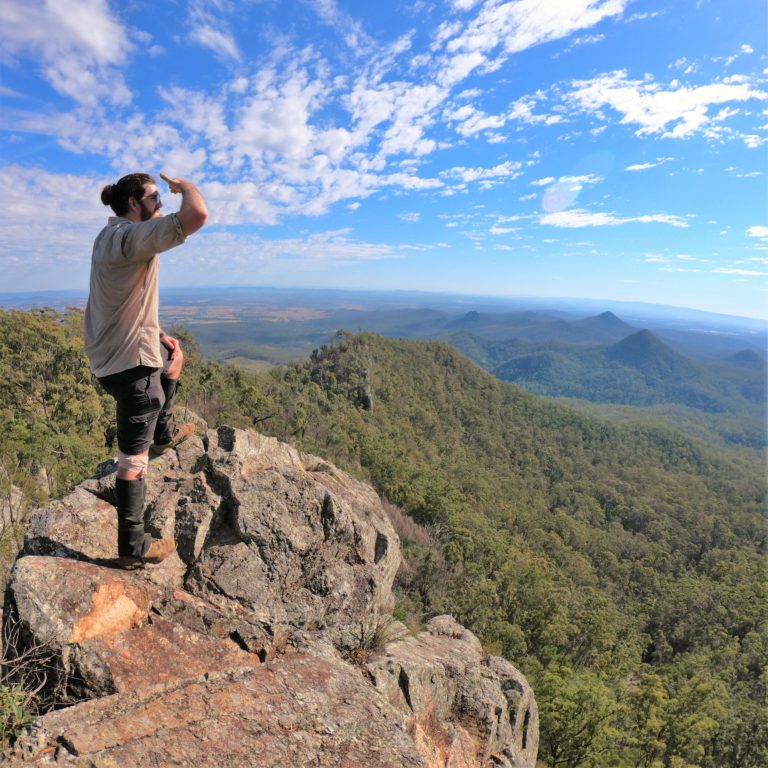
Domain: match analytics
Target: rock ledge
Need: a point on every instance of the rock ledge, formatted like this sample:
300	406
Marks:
236	650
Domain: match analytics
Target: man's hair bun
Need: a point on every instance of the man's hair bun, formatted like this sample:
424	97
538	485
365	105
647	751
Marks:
106	194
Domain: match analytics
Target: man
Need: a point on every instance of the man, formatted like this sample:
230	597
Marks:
132	358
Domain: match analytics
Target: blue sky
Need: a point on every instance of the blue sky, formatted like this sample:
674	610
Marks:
588	148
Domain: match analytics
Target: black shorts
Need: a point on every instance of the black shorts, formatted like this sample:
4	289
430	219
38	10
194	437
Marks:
139	395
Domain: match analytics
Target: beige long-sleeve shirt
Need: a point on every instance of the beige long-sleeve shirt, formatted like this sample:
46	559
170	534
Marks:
122	325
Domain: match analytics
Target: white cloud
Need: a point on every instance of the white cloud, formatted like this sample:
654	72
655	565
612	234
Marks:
753	141
501	29
758	231
350	30
744	272
43	210
508	170
413	217
588	40
522	110
578	181
210	254
221	42
410	111
79	46
581	218
562	193
458	67
658	258
675	112
471	121
464	5
517	26
210	28
642	16
647	166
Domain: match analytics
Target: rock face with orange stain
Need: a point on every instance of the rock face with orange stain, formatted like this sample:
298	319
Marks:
249	645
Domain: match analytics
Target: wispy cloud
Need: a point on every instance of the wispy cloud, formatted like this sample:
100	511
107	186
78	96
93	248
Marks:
673	112
508	170
562	193
581	218
351	31
517	26
80	46
742	272
665	259
220	41
43	210
210	27
647	166
501	29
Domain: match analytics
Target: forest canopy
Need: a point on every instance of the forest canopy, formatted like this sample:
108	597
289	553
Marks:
622	568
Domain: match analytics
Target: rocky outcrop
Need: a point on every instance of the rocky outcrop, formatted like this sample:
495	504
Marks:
267	639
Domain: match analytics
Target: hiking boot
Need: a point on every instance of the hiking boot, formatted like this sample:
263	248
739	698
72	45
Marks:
179	436
157	551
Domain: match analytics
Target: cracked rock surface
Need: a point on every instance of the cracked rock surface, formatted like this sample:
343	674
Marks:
235	651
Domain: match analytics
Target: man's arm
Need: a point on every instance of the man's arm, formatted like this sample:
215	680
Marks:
193	212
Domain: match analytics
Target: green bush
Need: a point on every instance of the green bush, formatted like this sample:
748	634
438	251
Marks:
17	709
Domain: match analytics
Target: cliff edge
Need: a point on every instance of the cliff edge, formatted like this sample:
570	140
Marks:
266	639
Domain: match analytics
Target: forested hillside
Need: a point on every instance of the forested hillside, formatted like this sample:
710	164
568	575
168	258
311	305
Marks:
622	568
637	370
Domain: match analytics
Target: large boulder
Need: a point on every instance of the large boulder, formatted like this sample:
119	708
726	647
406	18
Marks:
252	643
452	687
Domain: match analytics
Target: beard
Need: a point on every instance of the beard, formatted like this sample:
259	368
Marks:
146	214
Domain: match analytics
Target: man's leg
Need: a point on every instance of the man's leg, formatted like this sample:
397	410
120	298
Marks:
131	490
139	398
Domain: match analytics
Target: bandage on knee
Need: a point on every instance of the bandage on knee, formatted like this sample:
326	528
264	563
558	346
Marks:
137	464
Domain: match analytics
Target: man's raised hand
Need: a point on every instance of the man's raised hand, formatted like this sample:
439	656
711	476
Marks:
173	184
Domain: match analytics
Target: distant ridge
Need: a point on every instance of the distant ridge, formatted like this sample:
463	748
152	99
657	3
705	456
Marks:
747	358
648	354
471	319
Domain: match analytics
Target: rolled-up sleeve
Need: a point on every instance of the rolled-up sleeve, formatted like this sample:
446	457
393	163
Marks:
143	240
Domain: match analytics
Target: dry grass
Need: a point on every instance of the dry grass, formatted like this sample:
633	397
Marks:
373	638
27	681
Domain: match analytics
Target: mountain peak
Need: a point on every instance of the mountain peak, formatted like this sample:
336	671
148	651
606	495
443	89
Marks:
605	327
648	353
